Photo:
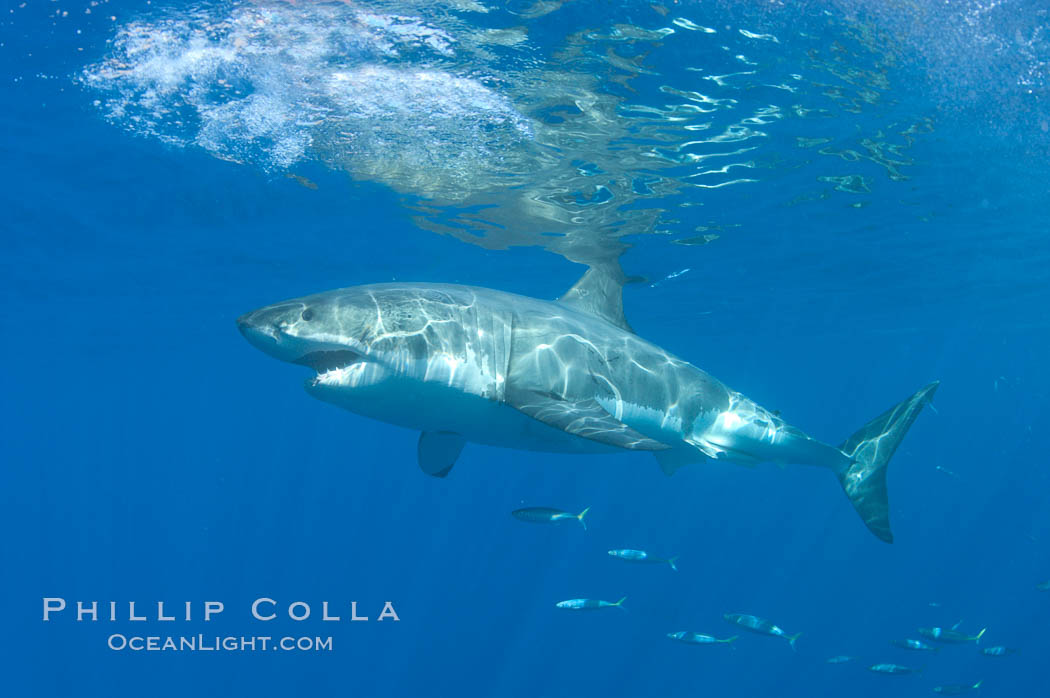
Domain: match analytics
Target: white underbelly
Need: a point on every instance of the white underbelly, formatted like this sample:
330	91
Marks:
433	406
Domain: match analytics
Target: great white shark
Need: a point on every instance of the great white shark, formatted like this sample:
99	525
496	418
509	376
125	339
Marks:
460	363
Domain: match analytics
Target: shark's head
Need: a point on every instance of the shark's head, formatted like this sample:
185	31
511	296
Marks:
328	332
363	337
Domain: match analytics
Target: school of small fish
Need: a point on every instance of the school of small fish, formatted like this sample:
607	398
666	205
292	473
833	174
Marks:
761	626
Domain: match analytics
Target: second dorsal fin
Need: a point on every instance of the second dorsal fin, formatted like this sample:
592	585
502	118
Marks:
600	292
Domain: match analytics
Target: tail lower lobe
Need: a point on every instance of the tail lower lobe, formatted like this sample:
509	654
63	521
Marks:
869	451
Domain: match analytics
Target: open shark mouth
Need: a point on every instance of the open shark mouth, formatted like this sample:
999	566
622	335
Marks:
324	362
342	369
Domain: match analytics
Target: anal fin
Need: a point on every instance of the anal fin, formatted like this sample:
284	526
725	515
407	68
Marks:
438	450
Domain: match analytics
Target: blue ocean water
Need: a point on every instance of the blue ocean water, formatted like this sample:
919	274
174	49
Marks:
831	204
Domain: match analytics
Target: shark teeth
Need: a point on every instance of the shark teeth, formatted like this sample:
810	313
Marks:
339	376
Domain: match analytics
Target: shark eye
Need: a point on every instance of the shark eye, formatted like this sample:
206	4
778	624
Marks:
308	314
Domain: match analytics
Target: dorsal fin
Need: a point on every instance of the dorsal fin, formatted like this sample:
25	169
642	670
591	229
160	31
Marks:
600	292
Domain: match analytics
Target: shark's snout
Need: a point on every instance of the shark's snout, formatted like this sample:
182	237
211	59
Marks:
265	330
245	324
258	321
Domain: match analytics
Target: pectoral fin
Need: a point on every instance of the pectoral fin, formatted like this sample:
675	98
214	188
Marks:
438	451
584	418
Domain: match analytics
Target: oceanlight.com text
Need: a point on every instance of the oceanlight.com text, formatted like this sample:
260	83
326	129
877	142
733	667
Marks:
217	643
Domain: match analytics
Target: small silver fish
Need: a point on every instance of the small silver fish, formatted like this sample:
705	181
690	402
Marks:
840	659
917	645
548	515
956	690
950	635
642	556
760	626
589	604
700	639
893	669
998	651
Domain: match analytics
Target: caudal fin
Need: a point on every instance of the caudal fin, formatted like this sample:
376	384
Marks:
869	451
792	639
619	604
579	517
671	561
